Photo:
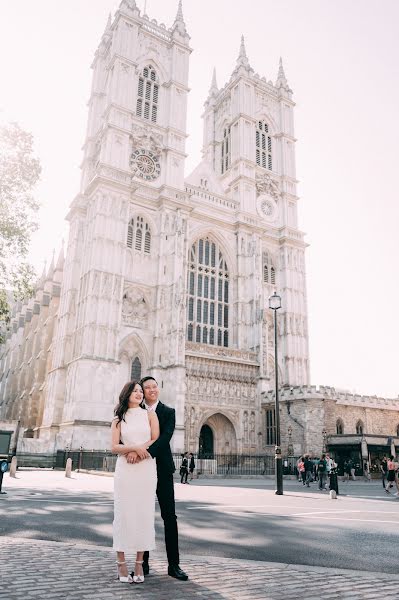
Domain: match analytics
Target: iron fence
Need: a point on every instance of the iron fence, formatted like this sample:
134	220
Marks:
225	465
215	464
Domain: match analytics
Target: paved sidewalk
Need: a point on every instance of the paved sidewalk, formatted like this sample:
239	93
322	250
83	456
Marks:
41	570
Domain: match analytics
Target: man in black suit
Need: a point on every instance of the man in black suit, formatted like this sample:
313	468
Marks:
160	450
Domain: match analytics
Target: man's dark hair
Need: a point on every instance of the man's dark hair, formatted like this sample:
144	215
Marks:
147	378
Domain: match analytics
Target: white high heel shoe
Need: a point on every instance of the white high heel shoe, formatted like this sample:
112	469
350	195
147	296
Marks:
122	579
138	578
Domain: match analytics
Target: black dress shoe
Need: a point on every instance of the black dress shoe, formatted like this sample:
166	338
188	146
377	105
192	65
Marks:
146	569
176	572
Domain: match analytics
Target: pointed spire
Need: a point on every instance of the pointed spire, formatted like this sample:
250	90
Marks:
243	53
179	24
242	60
179	15
40	283
51	269
281	78
213	90
108	27
60	260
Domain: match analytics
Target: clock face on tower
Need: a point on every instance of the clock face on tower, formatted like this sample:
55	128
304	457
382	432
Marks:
267	208
145	164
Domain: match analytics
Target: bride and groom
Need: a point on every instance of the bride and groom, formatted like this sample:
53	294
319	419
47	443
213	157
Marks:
141	433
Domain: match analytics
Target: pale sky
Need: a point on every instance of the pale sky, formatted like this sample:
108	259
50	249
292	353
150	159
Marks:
341	59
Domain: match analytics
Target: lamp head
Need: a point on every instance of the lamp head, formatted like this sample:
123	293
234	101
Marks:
275	301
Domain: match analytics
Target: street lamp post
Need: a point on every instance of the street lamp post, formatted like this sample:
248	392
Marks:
324	434
275	304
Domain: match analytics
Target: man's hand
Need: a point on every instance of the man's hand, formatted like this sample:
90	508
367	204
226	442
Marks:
142	452
132	457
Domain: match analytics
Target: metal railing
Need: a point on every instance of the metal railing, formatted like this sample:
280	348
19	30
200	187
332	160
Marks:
214	464
225	465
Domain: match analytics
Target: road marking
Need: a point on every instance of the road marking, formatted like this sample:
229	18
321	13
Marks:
349	519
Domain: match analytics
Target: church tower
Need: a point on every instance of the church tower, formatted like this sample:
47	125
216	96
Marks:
121	310
249	156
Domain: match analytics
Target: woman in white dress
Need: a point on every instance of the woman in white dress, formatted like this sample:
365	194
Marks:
133	429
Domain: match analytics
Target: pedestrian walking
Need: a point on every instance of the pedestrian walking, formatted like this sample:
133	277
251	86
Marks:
308	471
191	466
184	468
384	470
322	471
329	466
301	470
391	466
161	451
133	431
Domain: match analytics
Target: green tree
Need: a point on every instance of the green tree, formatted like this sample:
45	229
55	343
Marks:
19	172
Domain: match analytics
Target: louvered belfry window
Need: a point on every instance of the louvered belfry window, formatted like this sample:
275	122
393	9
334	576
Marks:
139	235
208	294
269	271
225	150
263	146
147	95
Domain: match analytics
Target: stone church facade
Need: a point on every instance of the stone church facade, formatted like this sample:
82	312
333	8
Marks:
167	275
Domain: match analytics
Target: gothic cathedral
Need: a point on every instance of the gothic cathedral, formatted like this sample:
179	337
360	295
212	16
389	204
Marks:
170	276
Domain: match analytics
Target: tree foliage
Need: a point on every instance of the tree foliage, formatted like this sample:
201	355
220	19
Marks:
19	172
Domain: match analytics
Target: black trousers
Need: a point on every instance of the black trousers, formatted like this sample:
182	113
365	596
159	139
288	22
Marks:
166	499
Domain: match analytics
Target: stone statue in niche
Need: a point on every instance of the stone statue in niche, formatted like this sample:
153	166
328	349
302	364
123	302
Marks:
134	308
252	428
245	427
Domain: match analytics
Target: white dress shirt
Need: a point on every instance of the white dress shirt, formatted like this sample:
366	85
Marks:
153	407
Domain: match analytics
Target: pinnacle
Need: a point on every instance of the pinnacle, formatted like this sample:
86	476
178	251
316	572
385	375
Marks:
242	60
214	86
179	16
60	260
243	52
281	78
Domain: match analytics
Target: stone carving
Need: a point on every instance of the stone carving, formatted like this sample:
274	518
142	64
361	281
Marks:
265	184
252	428
134	308
146	138
245	424
217	351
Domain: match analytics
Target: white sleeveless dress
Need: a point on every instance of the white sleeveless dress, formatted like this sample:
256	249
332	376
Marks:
134	489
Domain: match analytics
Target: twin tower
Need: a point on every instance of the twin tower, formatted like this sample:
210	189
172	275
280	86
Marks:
170	276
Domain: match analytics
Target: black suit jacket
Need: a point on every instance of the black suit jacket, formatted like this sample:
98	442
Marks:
160	450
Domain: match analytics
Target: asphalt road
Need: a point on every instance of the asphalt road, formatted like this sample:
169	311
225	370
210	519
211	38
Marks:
231	519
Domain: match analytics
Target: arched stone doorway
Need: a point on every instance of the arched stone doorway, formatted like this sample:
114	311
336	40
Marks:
217	436
206	442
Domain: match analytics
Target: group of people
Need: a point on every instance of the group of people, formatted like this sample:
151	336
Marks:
141	432
316	469
187	466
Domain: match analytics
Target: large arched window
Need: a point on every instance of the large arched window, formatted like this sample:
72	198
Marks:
147	95
263	148
135	371
359	428
208	294
269	271
139	235
340	427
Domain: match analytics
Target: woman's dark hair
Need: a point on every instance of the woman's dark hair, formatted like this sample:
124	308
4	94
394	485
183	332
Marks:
122	407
